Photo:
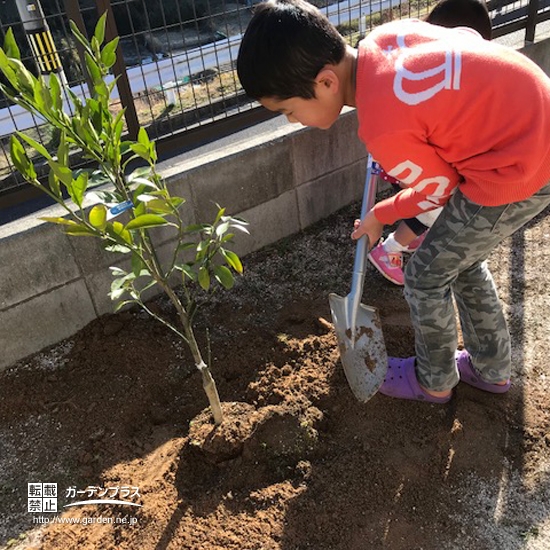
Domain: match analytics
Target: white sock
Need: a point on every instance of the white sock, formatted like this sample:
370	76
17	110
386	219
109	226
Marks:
391	245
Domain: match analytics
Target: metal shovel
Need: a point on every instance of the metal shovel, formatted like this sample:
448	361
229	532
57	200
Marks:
358	327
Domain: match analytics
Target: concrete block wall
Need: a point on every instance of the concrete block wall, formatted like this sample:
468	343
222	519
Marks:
280	180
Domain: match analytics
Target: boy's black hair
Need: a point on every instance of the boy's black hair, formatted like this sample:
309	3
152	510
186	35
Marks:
283	49
462	13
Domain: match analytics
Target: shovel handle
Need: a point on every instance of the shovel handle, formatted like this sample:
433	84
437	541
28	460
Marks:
362	246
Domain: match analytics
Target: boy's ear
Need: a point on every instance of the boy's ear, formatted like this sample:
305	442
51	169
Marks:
328	80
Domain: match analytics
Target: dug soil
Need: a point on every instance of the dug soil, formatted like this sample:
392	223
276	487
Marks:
118	412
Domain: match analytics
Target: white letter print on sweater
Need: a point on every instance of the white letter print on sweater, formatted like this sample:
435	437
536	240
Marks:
450	71
407	172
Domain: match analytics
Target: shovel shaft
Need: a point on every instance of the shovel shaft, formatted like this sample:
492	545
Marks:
369	196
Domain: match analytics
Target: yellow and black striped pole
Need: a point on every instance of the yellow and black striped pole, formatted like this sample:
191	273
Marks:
40	38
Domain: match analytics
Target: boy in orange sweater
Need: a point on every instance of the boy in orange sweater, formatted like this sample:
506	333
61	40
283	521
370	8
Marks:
463	123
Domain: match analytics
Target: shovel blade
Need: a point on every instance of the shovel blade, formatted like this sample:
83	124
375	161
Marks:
363	354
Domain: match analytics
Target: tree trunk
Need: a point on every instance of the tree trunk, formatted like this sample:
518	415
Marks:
208	382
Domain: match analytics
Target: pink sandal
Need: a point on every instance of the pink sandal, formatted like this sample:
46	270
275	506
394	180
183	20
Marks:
471	377
401	382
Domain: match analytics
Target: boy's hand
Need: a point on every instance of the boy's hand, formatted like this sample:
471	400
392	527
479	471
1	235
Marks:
369	226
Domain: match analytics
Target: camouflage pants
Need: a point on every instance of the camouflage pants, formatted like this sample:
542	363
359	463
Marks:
452	262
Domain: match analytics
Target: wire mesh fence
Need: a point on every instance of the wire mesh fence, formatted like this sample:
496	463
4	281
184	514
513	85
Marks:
176	59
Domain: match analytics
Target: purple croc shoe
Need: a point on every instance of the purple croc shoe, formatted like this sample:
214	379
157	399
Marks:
401	382
471	377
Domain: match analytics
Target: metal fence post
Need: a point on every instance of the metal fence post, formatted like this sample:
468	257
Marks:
531	23
119	70
40	38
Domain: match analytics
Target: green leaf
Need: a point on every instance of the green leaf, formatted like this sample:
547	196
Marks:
77	187
143	138
93	116
106	197
80	231
9	92
204	278
145	148
153	152
55	92
120	248
59	221
221	212
224	276
232	260
21	160
195	228
222	228
53	182
119	232
10	45
118	125
236	223
116	271
9	73
147	220
35	145
227	238
26	81
202	249
122	232
94	44
141	151
176	202
120	305
144	197
77	229
141	172
117	293
108	53
137	265
186	269
63	149
42	97
78	35
63	173
142	182
99	32
75	100
186	246
140	209
93	69
160	206
98	216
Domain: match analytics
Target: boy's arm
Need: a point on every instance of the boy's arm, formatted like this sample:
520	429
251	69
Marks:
429	181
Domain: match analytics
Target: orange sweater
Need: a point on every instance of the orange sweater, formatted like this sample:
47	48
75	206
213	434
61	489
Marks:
442	107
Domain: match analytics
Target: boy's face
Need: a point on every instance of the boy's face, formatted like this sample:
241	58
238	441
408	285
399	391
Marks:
319	112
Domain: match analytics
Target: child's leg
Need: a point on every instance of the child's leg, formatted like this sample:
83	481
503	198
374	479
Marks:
484	328
404	234
414	225
452	259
